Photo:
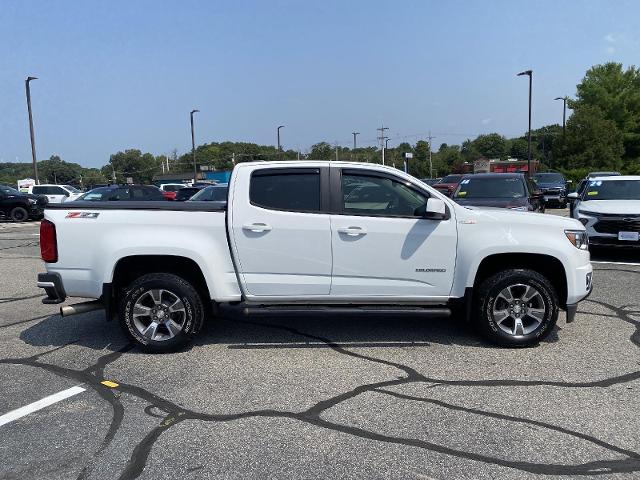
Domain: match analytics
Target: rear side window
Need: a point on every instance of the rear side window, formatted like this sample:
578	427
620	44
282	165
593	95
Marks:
290	189
40	190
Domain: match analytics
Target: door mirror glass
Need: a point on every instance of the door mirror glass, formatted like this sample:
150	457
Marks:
435	209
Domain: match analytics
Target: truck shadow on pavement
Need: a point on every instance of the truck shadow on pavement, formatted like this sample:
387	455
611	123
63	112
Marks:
241	332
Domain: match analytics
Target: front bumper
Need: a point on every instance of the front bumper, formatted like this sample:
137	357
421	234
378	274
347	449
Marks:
52	284
573	307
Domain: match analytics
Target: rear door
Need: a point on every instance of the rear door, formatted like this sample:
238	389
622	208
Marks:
280	231
382	247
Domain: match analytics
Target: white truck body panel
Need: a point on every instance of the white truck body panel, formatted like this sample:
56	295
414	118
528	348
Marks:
293	257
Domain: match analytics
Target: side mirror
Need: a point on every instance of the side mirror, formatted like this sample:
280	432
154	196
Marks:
569	181
435	209
572	197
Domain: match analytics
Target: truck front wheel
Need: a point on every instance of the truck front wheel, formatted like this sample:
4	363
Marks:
161	312
516	308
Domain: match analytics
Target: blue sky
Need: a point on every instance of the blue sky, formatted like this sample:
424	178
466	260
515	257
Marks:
125	74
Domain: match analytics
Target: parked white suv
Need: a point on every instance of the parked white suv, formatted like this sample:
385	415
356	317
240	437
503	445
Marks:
609	208
56	193
324	236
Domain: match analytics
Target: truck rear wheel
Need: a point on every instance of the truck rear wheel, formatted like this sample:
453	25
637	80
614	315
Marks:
161	312
516	308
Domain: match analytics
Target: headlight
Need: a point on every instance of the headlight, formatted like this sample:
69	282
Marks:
32	200
590	214
520	209
578	238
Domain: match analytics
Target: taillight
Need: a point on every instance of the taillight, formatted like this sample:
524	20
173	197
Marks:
48	242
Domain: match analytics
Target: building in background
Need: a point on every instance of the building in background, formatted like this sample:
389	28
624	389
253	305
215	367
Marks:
510	165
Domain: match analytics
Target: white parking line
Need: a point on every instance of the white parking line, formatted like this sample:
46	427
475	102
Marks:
39	405
617	263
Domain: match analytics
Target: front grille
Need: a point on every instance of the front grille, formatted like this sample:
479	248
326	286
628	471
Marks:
615	225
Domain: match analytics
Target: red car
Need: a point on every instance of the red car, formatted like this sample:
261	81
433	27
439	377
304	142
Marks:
168	195
448	184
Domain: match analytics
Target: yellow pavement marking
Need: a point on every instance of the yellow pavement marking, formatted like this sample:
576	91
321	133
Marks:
108	383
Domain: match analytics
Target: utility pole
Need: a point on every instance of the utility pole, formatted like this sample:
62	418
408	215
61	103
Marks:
336	151
33	138
382	138
193	147
430	137
564	113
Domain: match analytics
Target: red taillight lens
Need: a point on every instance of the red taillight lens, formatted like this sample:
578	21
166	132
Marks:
48	242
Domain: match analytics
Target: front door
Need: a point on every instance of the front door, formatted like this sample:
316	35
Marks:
281	240
382	246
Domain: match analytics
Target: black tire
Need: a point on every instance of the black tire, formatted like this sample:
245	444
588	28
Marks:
489	294
190	319
19	214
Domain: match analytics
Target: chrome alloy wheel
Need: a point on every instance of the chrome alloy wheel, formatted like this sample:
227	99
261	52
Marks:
519	309
159	314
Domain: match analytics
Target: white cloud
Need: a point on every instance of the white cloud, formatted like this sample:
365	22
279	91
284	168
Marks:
611	38
485	121
611	50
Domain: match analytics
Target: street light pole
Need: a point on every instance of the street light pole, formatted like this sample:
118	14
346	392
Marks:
281	126
354	138
33	138
564	113
530	74
193	147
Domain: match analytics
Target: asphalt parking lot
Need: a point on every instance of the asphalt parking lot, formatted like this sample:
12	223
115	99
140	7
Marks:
317	397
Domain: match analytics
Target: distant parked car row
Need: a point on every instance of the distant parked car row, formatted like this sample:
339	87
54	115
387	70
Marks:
20	207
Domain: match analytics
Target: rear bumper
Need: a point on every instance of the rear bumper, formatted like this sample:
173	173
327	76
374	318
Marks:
52	284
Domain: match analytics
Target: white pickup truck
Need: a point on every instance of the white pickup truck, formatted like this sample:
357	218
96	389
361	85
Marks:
301	236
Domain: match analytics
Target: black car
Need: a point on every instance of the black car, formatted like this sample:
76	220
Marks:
501	190
122	192
20	207
187	192
553	186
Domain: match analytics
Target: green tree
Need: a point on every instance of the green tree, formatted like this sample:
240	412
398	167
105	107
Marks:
592	141
492	145
322	151
616	93
56	170
132	163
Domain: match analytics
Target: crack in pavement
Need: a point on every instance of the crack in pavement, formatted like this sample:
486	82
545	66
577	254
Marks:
171	414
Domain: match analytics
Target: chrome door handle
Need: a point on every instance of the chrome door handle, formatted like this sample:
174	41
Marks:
352	231
256	227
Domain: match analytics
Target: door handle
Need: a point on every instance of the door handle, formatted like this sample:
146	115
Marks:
352	231
256	227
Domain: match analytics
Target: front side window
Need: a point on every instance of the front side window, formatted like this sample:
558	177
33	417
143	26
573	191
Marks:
294	190
379	196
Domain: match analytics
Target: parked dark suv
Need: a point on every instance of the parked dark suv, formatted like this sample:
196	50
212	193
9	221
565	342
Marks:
553	186
501	190
20	207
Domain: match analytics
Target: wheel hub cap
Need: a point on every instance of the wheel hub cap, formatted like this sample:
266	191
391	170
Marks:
519	309
159	314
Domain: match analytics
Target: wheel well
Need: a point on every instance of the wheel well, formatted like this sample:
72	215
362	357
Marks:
546	265
129	268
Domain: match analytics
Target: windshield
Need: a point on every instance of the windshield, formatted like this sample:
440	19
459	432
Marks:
549	178
211	194
450	179
490	187
613	190
72	189
9	190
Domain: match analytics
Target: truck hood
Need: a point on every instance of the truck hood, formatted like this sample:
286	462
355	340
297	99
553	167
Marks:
611	206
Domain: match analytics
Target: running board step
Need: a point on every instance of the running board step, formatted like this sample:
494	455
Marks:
254	310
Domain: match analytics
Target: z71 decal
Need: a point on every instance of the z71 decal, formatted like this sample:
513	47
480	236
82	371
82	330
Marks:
82	215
